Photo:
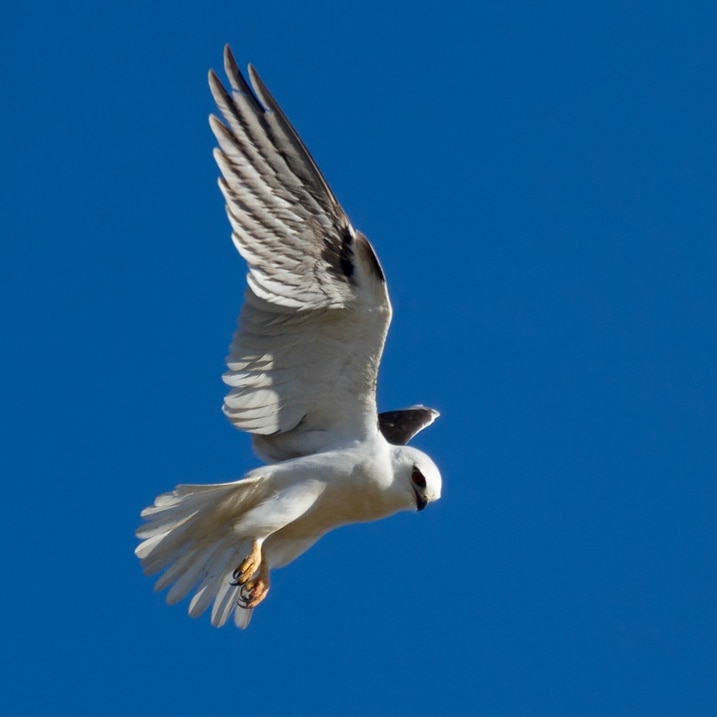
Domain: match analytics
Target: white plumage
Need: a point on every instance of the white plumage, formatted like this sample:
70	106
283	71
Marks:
302	369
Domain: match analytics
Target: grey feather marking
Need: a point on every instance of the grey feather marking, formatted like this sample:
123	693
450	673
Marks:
304	360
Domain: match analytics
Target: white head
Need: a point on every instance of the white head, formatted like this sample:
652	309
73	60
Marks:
416	476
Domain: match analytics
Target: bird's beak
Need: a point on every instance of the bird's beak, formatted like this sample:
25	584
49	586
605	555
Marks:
421	501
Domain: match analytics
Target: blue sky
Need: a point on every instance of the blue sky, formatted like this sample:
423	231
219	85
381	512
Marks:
539	180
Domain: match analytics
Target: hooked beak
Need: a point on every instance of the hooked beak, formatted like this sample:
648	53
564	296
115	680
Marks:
421	501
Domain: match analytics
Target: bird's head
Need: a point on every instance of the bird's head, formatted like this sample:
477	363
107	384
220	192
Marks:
416	476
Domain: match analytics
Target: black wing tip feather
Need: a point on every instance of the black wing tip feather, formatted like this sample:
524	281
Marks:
219	91
237	81
258	91
231	66
263	103
338	252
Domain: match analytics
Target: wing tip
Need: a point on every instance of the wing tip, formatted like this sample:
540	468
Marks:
229	60
399	427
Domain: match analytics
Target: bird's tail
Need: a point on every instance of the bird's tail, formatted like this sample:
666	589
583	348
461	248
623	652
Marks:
189	534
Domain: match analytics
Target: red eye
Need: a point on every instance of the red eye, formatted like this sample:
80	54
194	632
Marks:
418	478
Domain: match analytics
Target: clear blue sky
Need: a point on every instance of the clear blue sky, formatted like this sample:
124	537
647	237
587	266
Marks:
540	182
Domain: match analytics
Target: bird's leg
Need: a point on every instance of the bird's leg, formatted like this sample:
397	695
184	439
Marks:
255	590
252	576
249	565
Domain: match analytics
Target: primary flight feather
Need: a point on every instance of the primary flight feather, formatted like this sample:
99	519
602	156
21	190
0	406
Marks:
302	369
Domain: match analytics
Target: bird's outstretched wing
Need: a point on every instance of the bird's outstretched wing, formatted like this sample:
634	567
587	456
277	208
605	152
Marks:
304	359
398	427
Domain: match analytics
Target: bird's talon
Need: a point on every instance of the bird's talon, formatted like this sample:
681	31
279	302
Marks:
252	593
249	566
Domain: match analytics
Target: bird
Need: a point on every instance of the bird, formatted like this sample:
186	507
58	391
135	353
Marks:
302	370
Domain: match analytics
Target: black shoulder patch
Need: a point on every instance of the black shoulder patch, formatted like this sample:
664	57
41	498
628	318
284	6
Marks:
346	255
398	427
339	258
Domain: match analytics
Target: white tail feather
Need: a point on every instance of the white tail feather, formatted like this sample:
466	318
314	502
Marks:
218	570
189	534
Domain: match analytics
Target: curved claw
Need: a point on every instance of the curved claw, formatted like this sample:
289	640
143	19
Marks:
244	598
253	592
236	575
249	566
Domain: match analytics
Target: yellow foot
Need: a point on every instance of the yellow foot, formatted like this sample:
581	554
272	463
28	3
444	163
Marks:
254	591
249	565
